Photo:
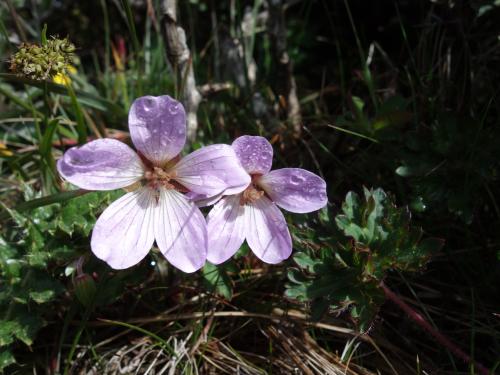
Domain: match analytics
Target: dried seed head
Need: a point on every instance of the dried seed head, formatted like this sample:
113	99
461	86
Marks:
43	62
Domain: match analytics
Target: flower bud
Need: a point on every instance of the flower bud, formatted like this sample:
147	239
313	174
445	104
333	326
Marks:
85	289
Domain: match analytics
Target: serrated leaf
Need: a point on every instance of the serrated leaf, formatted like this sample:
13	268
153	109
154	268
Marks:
350	205
6	359
42	288
296	291
7	329
329	283
27	327
305	261
295	276
77	213
43	296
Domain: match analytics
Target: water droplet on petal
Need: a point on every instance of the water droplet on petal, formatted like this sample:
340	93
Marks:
174	108
146	107
148	104
295	180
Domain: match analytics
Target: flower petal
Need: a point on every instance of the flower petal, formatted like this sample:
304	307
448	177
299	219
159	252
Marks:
202	200
103	164
123	234
226	229
158	127
295	189
255	153
180	231
267	232
212	170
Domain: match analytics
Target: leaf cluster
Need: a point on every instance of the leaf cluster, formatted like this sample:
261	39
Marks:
375	237
448	163
34	257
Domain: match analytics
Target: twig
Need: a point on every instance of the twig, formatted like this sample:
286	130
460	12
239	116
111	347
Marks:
285	82
15	17
179	56
277	315
203	336
425	325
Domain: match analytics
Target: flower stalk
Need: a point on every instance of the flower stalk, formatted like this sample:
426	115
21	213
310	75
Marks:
426	326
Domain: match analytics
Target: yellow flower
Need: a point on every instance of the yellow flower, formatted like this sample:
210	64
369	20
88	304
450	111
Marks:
4	151
63	78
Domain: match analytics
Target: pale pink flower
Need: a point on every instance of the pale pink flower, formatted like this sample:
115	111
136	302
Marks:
157	209
253	214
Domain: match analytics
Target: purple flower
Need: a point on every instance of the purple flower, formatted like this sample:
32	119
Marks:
253	213
157	209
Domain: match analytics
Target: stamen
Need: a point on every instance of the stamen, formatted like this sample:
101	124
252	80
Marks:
250	195
159	177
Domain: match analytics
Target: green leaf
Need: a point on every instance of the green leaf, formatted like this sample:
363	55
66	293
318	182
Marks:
379	238
405	171
77	213
297	291
217	280
305	261
86	98
46	142
50	199
81	128
44	289
85	289
418	204
6	359
43	36
7	329
295	276
27	327
23	325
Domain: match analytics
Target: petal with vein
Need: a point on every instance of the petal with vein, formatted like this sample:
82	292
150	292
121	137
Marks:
267	232
158	127
123	234
180	231
255	153
226	229
103	164
202	200
212	170
295	189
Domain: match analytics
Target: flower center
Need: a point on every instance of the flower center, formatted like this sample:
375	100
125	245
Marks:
252	193
157	177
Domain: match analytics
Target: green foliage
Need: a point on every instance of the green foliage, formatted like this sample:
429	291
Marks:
377	238
6	359
389	116
384	99
33	254
217	279
450	163
85	289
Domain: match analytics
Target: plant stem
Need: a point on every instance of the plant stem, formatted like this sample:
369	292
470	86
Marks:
425	325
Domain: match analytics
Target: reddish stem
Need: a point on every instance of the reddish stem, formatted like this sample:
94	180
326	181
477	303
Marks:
424	324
